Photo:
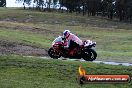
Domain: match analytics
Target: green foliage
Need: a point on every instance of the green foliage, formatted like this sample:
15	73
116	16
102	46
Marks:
121	9
24	1
2	3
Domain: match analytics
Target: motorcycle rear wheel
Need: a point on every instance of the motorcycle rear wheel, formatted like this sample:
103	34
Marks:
89	55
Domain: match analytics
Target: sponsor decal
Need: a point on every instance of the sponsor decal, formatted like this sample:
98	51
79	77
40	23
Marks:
83	78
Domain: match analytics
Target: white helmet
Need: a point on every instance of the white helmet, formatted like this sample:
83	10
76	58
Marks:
66	33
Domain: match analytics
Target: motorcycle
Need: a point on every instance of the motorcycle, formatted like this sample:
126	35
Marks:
85	51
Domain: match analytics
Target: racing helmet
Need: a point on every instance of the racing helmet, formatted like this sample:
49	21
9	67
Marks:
66	33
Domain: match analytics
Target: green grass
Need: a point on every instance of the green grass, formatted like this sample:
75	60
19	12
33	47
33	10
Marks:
113	39
24	72
25	37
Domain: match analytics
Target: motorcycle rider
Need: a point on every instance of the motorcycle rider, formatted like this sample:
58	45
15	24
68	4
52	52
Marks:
72	41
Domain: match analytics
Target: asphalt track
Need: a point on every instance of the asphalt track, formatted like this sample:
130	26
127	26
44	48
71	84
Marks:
101	62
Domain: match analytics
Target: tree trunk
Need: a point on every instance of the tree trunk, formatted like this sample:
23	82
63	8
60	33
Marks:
83	10
24	6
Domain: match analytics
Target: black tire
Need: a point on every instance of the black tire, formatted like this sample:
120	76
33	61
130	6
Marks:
52	54
89	55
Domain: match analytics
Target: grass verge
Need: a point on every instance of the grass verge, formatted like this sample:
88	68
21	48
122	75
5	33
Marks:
25	72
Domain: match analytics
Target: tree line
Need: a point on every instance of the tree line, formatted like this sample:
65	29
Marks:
2	3
121	9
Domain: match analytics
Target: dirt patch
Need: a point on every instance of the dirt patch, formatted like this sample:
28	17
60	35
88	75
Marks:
8	47
37	30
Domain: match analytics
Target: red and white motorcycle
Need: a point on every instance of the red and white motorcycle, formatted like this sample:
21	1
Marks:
86	51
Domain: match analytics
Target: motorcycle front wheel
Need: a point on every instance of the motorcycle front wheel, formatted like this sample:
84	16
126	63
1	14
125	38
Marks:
53	53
